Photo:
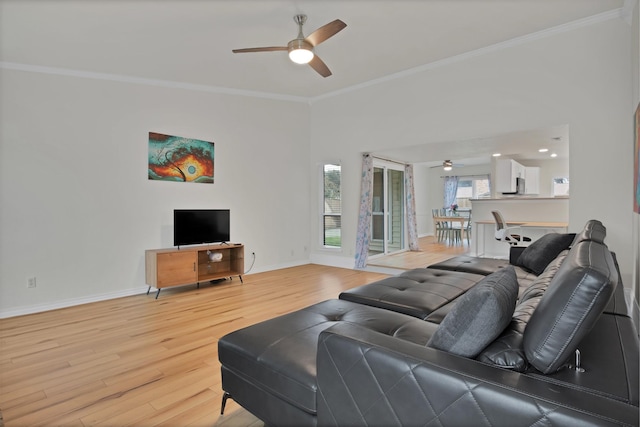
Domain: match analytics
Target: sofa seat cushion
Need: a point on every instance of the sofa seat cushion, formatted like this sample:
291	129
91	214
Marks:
469	264
484	266
480	316
279	355
525	280
415	292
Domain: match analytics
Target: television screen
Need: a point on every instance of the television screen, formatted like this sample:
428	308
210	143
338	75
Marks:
198	226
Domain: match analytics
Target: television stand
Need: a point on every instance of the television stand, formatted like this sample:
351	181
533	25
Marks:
188	265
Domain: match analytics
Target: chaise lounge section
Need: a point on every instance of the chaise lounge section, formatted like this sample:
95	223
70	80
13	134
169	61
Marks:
445	347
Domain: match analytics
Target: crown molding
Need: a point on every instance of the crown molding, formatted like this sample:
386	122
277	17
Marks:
148	82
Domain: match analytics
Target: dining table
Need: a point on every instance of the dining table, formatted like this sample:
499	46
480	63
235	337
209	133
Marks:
451	219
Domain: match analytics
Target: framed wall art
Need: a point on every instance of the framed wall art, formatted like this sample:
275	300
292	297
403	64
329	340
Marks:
174	158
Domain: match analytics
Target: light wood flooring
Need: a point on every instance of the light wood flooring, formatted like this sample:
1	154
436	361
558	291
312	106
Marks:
431	252
146	362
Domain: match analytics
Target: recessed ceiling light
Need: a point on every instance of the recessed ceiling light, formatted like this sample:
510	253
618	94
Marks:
543	150
554	155
496	154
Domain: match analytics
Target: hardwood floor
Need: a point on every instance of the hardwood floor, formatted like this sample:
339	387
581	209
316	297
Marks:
146	362
431	252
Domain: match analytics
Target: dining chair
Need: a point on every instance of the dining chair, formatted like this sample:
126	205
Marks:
441	227
504	234
467	227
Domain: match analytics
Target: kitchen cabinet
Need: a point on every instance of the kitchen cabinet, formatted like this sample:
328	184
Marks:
507	170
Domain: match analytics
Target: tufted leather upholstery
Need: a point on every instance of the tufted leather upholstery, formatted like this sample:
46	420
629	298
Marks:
416	292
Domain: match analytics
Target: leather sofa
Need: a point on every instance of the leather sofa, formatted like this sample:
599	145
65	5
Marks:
545	338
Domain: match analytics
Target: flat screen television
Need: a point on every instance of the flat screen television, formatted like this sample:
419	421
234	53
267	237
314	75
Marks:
200	226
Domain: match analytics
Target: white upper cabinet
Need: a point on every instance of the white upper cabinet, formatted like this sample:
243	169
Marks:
507	170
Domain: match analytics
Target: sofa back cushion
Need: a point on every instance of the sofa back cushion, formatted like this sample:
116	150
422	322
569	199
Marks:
570	306
593	230
479	316
540	253
507	351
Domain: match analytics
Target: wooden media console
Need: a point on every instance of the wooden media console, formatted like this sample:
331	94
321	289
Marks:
192	264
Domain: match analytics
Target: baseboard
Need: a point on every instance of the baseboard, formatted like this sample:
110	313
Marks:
333	260
38	308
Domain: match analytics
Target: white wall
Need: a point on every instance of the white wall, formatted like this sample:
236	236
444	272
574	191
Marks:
580	78
77	210
635	72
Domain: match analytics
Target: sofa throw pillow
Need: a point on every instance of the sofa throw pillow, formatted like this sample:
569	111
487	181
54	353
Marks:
540	253
480	315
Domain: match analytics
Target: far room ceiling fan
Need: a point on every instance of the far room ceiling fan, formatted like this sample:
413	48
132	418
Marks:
301	48
447	165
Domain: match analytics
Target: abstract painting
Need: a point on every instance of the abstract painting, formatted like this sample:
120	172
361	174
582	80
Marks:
636	163
173	158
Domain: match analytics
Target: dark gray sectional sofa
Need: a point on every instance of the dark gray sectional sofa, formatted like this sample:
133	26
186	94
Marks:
545	338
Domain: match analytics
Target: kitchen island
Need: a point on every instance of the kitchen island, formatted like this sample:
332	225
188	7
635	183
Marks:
535	216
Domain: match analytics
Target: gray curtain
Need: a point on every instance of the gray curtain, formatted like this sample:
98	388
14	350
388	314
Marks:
364	217
450	190
412	223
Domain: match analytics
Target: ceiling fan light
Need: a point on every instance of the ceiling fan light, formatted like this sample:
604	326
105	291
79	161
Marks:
300	51
301	56
447	165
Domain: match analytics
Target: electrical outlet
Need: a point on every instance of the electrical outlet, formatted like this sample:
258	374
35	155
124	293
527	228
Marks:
31	282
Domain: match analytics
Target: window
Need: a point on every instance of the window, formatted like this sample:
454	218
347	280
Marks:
332	206
476	187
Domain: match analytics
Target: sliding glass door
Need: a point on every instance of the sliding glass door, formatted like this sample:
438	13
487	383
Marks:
387	224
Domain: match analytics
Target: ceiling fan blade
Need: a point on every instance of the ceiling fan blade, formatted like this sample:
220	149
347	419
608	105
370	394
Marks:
260	49
319	65
324	32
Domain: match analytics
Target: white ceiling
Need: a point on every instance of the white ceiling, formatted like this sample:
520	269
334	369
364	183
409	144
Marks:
189	42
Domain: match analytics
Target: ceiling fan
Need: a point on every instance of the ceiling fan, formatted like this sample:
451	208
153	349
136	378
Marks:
301	48
447	165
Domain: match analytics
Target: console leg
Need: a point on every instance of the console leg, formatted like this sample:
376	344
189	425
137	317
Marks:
158	293
241	281
225	396
148	290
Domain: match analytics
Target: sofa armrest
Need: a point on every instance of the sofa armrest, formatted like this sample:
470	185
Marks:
514	254
367	378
